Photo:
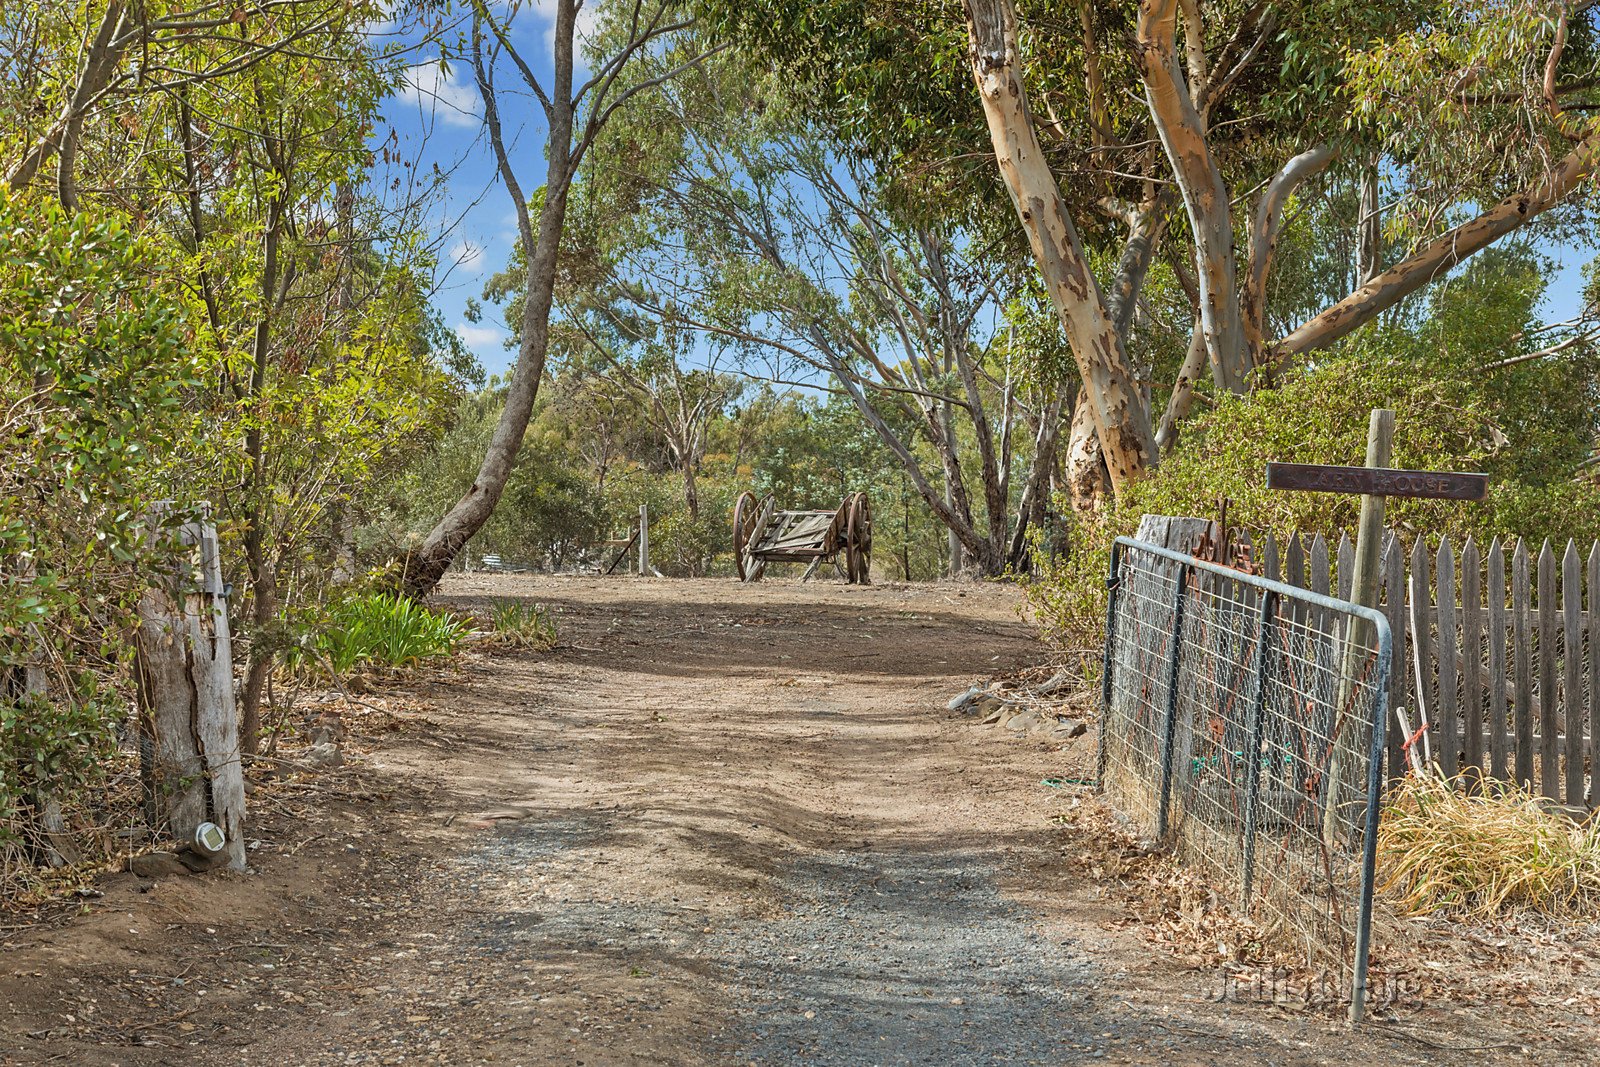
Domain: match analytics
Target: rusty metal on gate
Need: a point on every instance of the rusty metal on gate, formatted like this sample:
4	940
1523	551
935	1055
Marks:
843	537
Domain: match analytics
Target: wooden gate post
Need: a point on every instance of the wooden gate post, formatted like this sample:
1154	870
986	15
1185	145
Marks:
1363	591
644	540
188	721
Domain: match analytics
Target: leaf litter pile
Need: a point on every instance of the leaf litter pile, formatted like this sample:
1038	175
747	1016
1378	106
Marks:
1427	965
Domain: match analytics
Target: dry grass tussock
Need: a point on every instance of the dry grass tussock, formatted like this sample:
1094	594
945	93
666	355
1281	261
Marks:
1481	856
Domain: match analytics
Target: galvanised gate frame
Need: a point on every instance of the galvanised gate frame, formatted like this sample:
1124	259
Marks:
1244	723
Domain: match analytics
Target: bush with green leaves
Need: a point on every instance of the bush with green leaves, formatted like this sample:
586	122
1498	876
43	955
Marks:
1529	426
375	630
94	373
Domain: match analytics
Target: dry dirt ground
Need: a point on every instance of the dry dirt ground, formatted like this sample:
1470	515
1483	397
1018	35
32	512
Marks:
718	825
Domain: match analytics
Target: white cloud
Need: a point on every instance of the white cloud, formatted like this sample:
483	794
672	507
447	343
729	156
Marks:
588	21
476	337
465	253
450	97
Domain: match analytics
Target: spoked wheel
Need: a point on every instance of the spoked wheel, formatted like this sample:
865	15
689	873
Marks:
749	523
858	541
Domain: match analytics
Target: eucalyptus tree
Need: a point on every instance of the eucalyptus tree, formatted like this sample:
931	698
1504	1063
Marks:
746	225
1462	122
576	104
680	400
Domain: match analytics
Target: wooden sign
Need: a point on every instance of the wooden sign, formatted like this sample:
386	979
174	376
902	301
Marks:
1376	481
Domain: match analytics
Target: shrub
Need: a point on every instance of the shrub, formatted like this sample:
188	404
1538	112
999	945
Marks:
1527	430
94	374
380	629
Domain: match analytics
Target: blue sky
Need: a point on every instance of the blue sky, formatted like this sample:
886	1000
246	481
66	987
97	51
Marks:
438	118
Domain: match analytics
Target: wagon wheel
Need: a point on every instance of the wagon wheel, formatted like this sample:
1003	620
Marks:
858	540
749	524
845	561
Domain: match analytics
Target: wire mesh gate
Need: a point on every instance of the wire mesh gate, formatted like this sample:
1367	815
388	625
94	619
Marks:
1244	724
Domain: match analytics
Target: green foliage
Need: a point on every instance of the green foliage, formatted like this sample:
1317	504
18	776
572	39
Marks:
1529	426
93	377
591	458
64	745
377	629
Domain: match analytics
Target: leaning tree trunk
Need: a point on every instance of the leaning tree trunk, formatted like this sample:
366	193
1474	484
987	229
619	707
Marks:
1434	259
189	725
427	564
423	567
1121	419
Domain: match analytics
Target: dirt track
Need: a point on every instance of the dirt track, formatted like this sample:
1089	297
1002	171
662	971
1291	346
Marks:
719	825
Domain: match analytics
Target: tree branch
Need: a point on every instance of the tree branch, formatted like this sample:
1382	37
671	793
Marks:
1439	256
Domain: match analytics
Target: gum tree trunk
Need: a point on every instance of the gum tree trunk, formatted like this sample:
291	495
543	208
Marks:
1115	405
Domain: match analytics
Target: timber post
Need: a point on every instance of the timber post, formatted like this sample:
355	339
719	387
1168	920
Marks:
1363	591
644	540
189	724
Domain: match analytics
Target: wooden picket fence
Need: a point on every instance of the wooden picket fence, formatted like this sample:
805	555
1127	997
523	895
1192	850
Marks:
1510	670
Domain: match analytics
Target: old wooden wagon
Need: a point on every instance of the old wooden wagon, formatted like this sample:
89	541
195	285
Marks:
843	537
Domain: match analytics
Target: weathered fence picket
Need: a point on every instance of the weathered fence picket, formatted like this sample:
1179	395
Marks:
1471	652
1500	656
1499	705
1447	746
1549	725
1572	662
1393	569
1594	668
1522	653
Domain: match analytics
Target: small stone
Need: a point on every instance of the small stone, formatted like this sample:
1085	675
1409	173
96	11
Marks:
326	754
963	701
158	865
1068	728
1022	721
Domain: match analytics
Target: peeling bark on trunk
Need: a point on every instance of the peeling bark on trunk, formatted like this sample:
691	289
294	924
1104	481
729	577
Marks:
1119	414
1087	480
1183	135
